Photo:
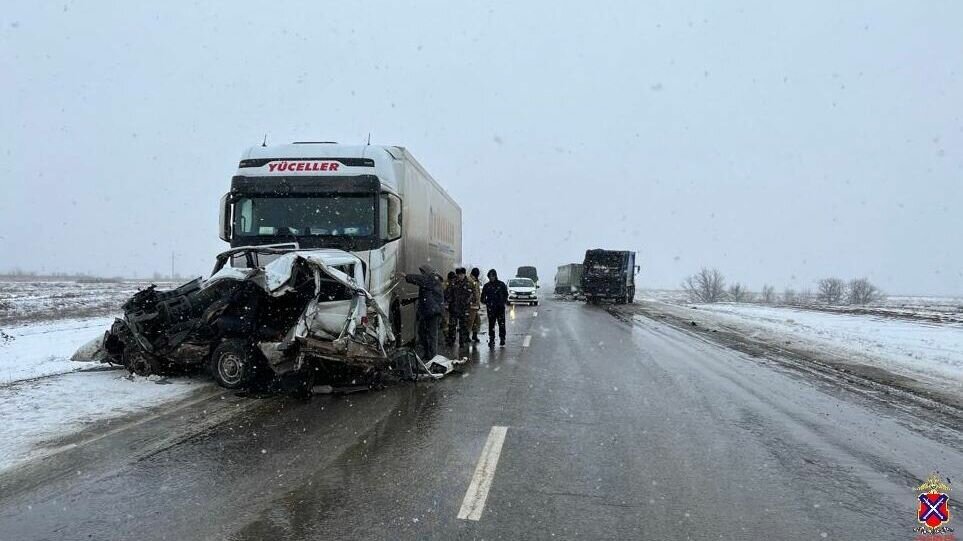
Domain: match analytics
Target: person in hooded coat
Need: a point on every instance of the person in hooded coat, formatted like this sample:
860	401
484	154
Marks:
431	299
495	297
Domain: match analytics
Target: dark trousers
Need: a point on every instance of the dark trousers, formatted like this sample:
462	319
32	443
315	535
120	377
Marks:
496	315
458	319
428	335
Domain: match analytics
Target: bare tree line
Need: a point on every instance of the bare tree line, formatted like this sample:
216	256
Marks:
709	285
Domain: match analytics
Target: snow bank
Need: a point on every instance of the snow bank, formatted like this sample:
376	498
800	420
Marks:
42	349
904	347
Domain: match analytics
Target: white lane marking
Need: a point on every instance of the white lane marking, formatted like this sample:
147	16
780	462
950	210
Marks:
535	313
527	341
474	502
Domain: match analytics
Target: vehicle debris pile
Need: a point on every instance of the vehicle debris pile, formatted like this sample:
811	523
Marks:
304	314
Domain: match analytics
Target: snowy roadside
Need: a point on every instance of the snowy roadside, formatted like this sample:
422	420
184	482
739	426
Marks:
42	349
931	353
45	396
38	413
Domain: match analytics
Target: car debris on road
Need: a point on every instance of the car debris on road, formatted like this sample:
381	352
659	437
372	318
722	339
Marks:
303	314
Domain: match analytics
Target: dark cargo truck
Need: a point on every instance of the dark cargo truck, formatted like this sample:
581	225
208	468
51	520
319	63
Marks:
528	272
568	279
610	275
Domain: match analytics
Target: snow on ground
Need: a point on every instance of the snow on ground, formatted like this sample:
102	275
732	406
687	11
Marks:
36	300
44	348
918	349
44	395
35	413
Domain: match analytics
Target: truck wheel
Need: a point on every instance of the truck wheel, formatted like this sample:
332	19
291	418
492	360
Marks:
233	364
535	303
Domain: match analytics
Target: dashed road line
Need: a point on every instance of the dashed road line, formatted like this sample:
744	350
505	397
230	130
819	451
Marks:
477	494
527	341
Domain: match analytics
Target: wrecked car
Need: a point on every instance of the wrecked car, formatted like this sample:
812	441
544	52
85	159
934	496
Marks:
304	313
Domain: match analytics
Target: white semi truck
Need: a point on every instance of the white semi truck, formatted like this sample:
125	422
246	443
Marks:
376	202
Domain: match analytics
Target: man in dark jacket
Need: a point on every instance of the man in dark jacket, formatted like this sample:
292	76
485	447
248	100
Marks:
495	297
430	301
459	296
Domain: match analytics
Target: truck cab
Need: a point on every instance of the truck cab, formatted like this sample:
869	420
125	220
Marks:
376	202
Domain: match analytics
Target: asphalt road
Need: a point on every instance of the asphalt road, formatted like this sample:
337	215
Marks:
612	430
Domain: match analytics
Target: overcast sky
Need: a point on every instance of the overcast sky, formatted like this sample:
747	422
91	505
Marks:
780	142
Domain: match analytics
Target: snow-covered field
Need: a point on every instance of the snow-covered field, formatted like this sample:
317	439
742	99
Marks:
910	343
925	308
904	347
22	301
44	395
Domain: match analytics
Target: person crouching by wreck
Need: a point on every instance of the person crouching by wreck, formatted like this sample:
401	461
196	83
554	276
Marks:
431	299
495	297
459	296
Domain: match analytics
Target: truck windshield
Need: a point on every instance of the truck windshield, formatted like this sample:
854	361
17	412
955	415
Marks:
338	215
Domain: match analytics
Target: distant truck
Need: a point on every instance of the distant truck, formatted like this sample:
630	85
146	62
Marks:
528	272
568	279
609	275
376	202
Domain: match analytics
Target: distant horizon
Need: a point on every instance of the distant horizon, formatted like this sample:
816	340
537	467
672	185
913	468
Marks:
4	275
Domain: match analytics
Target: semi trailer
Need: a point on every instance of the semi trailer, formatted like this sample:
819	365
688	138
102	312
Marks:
568	279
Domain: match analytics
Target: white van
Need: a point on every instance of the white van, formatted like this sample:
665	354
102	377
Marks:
376	202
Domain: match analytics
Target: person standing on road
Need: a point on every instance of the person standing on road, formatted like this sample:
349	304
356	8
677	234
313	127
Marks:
446	287
474	319
495	297
459	300
431	299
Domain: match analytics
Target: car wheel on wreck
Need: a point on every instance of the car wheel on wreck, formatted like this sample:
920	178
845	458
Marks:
138	362
234	364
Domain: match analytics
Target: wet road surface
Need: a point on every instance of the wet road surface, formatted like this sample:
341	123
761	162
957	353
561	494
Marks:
605	430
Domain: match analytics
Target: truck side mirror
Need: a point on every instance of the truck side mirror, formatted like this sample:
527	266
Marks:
224	218
638	268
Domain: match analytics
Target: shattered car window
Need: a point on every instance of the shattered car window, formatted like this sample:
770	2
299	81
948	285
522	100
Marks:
349	216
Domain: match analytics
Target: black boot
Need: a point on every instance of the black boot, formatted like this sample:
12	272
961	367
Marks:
503	342
474	338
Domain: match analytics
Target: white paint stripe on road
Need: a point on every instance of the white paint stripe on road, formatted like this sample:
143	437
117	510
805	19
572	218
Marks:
474	502
527	341
535	313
